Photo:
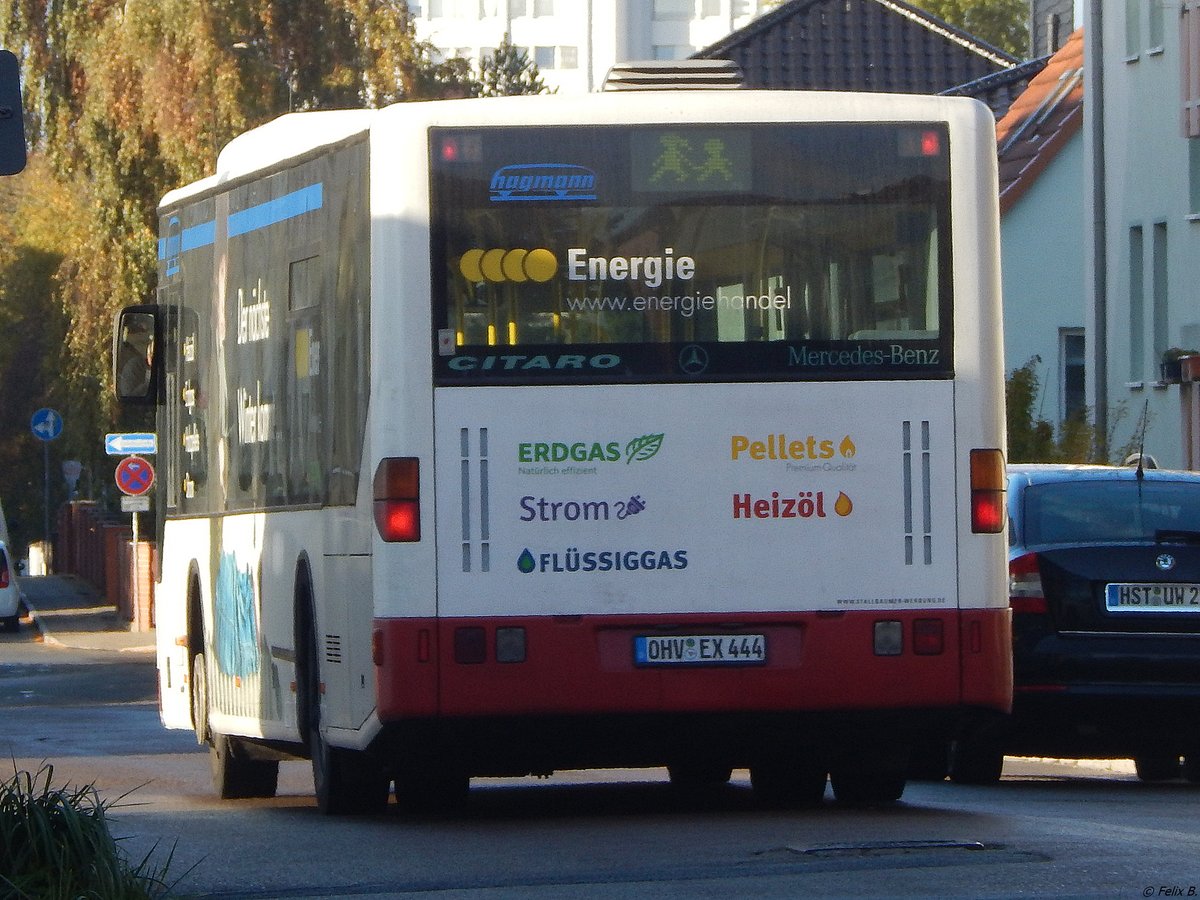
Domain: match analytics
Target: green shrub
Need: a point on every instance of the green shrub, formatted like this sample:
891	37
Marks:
55	843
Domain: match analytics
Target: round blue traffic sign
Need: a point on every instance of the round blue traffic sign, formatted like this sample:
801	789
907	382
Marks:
46	424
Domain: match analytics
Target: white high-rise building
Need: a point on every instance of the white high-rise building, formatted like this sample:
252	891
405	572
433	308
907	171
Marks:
575	42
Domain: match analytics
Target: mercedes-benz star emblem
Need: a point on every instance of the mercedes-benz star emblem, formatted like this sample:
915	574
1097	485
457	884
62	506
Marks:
693	360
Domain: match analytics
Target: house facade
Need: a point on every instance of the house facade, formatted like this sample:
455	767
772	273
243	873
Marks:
575	42
1042	232
1142	158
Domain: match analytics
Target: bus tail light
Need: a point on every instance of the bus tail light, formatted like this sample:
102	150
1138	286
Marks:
1025	593
987	491
928	637
398	499
4	576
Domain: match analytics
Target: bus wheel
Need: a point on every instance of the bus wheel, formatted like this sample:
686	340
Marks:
792	782
698	774
346	782
975	762
432	788
866	784
235	776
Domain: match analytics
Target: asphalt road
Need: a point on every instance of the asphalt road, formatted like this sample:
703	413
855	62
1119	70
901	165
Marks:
1049	829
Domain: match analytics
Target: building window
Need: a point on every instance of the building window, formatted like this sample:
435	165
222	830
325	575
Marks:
543	7
673	10
568	57
1194	177
543	57
437	8
1155	35
1189	61
1072	373
1133	29
1137	307
1158	288
516	8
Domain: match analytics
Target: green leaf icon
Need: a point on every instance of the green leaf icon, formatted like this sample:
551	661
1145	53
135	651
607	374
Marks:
642	448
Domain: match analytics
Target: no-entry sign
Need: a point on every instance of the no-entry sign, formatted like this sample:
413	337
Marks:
135	476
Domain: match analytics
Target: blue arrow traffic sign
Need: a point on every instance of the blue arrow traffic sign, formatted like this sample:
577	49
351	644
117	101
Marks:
126	443
46	424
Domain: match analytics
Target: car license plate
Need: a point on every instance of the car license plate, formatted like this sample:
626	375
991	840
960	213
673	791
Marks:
1154	598
700	650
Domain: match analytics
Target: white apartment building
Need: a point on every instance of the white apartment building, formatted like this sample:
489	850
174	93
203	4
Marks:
575	42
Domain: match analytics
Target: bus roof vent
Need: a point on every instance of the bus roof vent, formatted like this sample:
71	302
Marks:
684	74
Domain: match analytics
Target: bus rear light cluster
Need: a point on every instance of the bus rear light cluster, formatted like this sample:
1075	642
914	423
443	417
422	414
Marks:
1025	592
928	637
987	492
471	645
4	576
397	495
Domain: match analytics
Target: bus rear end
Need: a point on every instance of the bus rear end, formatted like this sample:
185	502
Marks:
715	476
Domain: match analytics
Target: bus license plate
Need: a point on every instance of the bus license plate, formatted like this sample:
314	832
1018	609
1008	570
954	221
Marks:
700	650
1155	598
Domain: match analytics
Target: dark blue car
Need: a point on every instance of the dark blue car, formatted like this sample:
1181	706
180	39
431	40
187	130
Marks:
1104	584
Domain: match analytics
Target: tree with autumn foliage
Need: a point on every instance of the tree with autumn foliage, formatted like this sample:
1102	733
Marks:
124	100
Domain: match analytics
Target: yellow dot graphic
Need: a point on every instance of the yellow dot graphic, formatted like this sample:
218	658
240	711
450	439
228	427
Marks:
540	264
490	264
511	265
469	265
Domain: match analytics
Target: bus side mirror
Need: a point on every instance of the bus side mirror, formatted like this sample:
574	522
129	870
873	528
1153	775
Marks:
12	120
136	365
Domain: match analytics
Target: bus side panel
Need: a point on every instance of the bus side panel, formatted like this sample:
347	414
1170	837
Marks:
987	670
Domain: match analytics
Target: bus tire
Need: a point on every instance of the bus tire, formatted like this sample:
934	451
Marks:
698	774
788	783
432	788
867	785
234	775
975	762
345	782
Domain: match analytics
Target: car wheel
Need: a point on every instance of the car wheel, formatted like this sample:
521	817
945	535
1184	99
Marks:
975	762
1191	767
1157	766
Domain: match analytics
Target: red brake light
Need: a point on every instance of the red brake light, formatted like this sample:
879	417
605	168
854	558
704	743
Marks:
987	491
1025	594
928	637
397	494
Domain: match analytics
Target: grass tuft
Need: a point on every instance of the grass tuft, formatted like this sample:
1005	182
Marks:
55	845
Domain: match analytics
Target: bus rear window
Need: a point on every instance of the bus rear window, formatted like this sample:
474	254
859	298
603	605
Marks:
768	252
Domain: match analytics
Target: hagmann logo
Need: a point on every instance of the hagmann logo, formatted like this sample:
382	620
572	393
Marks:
542	181
639	449
572	559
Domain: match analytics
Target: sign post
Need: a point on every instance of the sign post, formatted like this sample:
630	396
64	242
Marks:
46	424
134	477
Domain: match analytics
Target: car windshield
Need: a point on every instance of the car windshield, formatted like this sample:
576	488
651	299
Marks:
1115	511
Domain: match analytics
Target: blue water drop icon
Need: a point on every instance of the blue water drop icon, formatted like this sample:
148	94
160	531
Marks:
525	562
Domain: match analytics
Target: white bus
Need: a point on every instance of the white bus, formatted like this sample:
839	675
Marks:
511	435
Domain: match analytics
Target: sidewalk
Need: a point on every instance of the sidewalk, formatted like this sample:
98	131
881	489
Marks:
69	612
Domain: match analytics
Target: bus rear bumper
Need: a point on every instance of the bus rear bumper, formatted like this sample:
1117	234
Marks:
812	662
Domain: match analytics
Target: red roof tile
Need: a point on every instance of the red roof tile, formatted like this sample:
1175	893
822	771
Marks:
1041	121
